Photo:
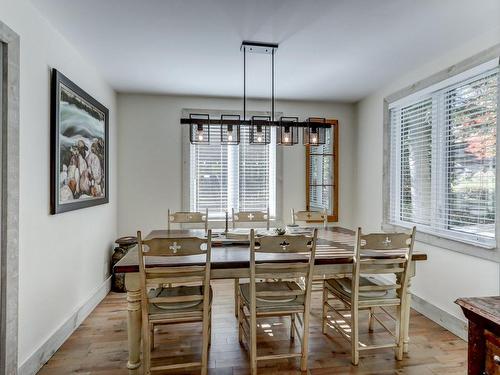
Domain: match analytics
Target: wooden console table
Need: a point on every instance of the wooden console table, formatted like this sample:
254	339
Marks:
484	334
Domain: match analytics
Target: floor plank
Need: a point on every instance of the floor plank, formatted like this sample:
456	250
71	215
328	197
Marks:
99	346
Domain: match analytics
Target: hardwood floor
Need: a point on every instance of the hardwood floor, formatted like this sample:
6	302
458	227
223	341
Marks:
99	346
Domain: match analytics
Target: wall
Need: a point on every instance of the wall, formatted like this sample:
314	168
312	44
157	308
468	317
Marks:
63	259
150	170
447	275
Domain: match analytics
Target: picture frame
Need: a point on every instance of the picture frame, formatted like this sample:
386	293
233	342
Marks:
79	155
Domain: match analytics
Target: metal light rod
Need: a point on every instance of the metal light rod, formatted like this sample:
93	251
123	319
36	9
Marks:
218	121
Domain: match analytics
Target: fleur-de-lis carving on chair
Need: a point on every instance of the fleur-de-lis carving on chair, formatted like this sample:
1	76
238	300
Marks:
251	216
174	247
308	215
387	241
284	245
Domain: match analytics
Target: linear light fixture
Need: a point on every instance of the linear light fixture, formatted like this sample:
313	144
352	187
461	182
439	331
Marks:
314	129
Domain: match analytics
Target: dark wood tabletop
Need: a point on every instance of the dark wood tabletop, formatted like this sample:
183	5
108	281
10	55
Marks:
337	249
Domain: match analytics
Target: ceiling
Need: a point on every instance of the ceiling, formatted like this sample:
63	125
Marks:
329	49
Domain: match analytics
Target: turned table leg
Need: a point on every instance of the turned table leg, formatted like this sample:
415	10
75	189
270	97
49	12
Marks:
133	322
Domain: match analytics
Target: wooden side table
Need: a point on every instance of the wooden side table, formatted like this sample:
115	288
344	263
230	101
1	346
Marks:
483	314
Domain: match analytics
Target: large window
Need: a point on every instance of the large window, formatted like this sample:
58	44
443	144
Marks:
443	158
223	176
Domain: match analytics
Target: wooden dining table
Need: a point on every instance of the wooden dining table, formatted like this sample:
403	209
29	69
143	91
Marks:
231	260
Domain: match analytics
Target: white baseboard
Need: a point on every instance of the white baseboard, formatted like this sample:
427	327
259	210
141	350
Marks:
40	356
453	324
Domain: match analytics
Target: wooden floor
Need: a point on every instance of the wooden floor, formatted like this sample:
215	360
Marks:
99	346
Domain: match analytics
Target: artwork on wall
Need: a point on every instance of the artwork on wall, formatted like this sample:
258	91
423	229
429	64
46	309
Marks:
79	147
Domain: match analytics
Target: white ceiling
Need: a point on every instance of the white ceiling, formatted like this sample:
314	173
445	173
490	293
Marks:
329	49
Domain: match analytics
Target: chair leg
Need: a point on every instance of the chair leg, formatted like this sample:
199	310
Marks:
354	336
370	319
240	319
400	334
210	328
292	327
146	347
236	288
325	309
305	341
205	342
152	337
253	344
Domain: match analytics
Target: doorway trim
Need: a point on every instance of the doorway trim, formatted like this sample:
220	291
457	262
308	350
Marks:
9	203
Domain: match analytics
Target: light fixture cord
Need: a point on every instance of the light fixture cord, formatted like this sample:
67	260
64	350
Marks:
244	83
272	85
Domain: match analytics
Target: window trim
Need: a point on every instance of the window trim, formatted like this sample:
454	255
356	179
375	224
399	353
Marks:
185	166
461	246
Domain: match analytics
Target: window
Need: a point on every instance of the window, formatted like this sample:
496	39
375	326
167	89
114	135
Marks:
443	158
241	176
321	174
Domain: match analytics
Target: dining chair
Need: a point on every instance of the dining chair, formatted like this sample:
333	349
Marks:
375	255
253	217
189	301
309	217
262	299
184	217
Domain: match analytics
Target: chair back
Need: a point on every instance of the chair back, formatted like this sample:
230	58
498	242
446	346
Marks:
183	217
282	268
151	277
253	217
310	216
396	251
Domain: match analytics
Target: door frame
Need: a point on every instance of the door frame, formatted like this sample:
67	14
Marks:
9	201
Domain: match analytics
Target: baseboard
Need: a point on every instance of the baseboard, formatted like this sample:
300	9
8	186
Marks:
40	356
453	324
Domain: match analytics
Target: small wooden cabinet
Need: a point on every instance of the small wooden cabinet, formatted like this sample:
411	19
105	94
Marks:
484	334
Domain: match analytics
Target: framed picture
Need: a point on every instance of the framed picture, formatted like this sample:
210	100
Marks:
79	147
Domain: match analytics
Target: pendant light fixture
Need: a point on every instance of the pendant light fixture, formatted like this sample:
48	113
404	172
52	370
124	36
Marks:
287	133
260	130
199	131
230	129
314	134
287	128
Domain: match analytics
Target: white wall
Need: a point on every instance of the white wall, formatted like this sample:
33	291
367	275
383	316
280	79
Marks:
63	259
446	275
150	170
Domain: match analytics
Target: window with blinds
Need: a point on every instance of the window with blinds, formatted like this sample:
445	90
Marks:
321	175
443	158
224	176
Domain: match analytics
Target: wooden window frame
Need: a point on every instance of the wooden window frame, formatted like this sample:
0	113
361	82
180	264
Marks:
334	217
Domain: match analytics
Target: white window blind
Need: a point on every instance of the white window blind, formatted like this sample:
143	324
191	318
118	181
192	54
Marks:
443	159
241	176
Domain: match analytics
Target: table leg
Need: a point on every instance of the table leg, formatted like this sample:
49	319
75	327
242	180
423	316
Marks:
134	328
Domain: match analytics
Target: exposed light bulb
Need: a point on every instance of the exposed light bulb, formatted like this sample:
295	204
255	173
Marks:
230	136
287	139
199	132
259	137
314	139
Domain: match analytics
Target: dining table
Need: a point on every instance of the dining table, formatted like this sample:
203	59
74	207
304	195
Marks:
230	259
